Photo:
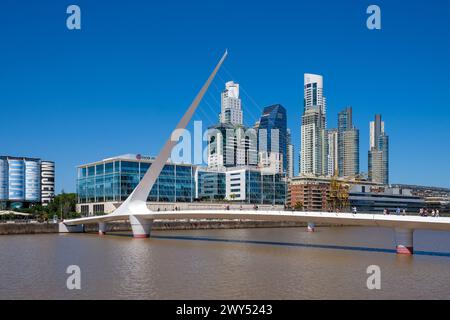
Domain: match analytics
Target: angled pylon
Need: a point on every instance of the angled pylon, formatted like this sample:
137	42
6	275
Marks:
136	203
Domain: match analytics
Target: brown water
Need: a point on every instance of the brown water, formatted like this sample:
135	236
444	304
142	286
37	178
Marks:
251	264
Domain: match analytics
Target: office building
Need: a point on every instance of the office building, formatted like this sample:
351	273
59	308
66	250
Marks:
103	185
210	185
25	182
272	135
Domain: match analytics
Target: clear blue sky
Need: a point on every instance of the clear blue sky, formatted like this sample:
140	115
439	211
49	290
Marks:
120	84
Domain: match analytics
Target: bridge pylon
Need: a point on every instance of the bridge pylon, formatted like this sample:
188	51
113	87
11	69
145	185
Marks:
140	226
404	240
101	228
311	227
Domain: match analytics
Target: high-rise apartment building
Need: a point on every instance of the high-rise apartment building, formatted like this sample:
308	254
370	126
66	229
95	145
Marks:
231	109
313	152
348	144
378	164
332	152
289	154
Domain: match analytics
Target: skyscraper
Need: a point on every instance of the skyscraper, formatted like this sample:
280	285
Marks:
231	110
289	155
348	144
231	146
313	152
272	133
332	152
379	152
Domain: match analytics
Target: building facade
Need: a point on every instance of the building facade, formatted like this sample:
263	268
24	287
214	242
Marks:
25	182
210	185
231	109
333	159
231	145
313	193
247	185
112	180
378	157
272	134
348	144
313	152
289	154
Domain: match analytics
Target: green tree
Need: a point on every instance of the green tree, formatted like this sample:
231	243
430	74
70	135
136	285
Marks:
298	206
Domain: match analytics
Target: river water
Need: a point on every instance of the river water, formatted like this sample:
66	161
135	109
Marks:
272	263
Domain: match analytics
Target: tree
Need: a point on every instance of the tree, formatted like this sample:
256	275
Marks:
298	206
63	205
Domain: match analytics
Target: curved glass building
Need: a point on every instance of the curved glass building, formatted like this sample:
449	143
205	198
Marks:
22	182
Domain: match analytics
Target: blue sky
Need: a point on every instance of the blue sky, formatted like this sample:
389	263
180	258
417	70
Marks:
120	84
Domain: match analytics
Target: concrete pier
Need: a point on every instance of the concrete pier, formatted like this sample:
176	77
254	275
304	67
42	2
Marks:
404	240
141	227
102	228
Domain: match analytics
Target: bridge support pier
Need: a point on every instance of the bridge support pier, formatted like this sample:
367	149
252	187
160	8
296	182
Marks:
141	227
404	240
101	228
311	226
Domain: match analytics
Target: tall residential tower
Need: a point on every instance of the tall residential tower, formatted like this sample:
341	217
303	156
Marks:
313	140
231	110
290	154
348	144
379	152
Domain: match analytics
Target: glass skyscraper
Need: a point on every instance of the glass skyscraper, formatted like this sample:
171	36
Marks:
378	162
348	144
272	132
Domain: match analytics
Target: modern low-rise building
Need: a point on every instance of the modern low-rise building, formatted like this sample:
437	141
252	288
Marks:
314	194
241	185
375	199
437	198
210	185
103	185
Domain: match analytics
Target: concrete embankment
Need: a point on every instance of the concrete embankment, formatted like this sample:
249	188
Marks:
28	228
34	228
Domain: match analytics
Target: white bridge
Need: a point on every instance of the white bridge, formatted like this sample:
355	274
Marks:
134	208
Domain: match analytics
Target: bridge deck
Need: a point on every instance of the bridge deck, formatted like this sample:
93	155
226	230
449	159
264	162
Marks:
359	219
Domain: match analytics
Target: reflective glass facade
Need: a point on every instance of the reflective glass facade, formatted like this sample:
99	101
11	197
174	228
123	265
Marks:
3	180
211	185
274	118
21	182
265	188
115	179
16	183
32	181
